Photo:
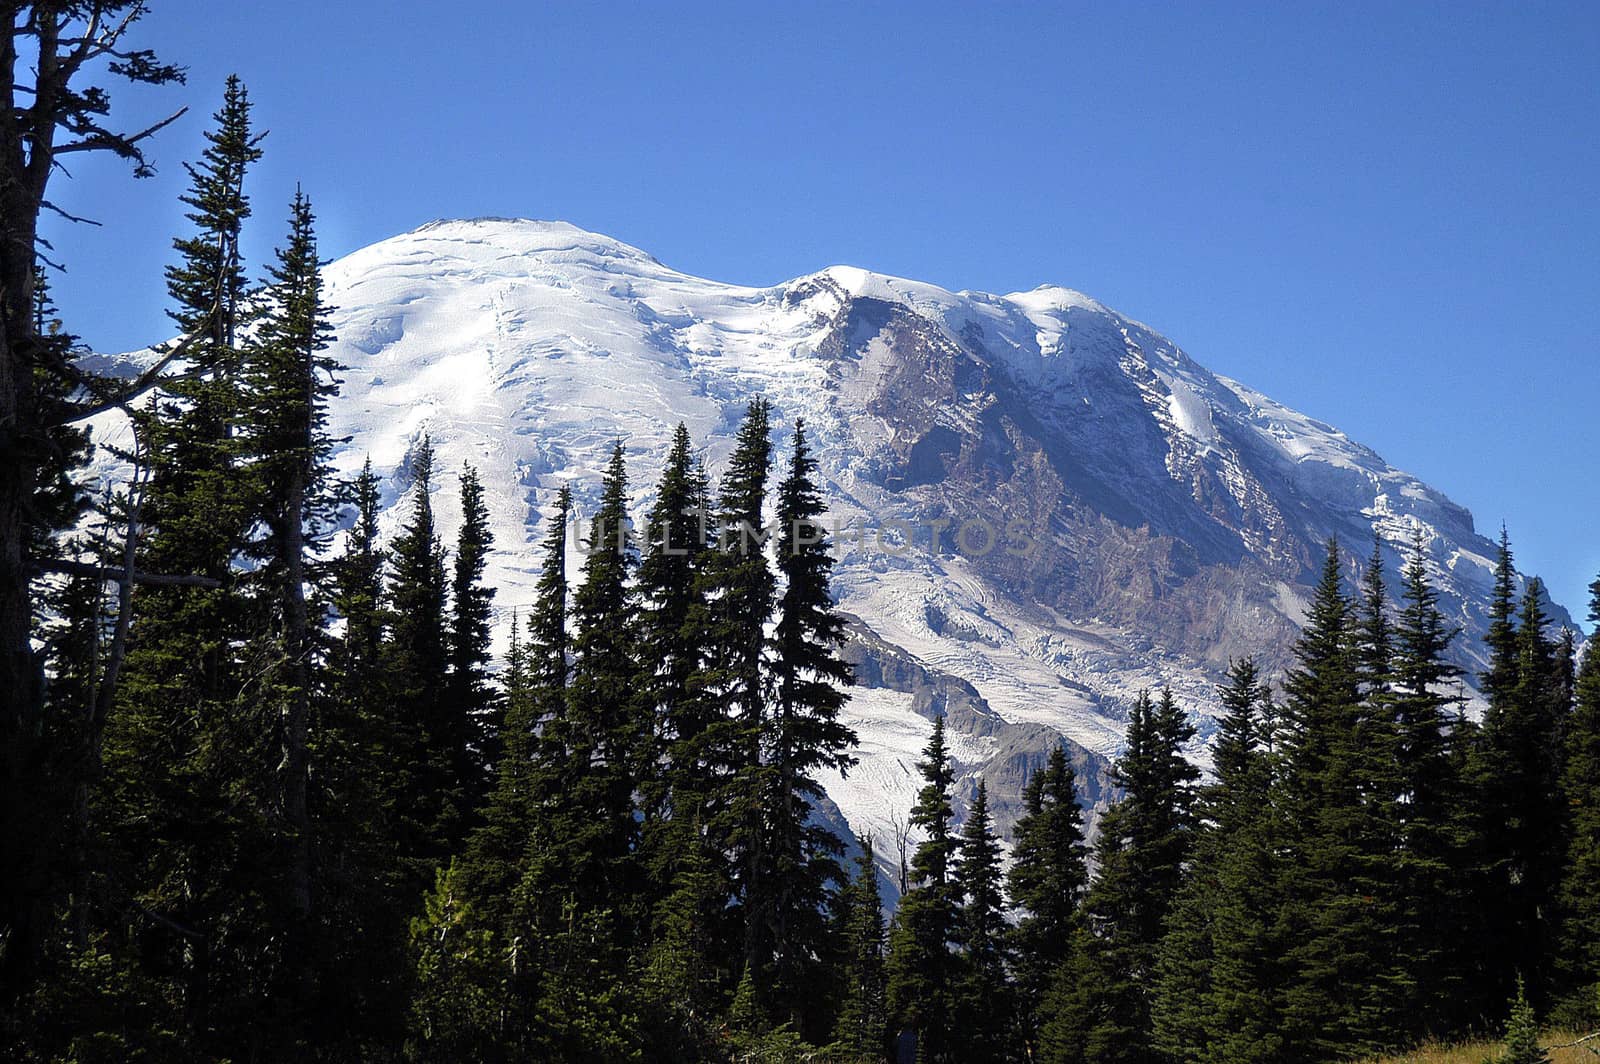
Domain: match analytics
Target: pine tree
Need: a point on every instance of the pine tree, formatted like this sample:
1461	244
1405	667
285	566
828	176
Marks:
357	803
1522	1033
1338	886
680	975
1103	1011
862	1028
427	796
472	702
1049	875
287	381
525	777
921	969
672	606
599	729
1216	995
740	592
801	734
1579	955
1432	862
357	659
192	799
982	1009
1521	739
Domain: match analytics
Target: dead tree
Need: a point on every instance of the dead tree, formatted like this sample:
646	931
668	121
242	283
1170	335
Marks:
48	54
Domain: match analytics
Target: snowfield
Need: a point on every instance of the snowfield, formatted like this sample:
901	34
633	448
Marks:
527	348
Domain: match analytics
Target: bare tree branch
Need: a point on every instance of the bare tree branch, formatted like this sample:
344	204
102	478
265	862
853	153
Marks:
114	574
150	378
124	145
47	205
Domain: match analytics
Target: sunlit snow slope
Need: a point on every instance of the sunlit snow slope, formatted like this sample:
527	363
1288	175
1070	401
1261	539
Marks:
1163	519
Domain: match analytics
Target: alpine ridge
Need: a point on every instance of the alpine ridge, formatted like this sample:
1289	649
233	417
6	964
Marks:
1041	506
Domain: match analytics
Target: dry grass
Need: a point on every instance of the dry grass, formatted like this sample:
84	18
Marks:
1481	1052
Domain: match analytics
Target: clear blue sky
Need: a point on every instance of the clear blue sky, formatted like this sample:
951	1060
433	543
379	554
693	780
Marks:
1386	215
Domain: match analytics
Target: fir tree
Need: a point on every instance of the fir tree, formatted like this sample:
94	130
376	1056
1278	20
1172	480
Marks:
193	799
1049	874
1102	1009
1216	996
427	796
921	969
1338	886
471	710
1521	748
801	734
861	1028
672	607
598	731
525	778
740	592
1579	955
1432	862
1522	1033
287	381
982	995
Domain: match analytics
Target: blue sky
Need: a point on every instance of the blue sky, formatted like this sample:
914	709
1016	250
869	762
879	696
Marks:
1385	215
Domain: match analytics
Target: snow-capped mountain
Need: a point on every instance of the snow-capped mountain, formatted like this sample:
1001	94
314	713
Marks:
1042	506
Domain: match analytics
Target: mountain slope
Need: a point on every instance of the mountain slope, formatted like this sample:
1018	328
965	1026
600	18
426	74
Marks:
1041	506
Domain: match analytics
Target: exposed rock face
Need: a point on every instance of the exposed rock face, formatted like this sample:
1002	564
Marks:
1042	506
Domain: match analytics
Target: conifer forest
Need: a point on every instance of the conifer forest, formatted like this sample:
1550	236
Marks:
275	784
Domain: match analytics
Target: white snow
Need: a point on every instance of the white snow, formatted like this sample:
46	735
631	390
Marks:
527	348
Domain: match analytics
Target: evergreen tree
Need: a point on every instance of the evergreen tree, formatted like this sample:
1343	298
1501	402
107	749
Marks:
982	996
1521	739
921	969
1579	955
472	702
680	975
193	797
672	606
1216	995
1338	886
287	381
740	592
801	734
1433	863
862	1024
597	735
1522	1033
427	796
1100	1010
525	777
358	597
1049	874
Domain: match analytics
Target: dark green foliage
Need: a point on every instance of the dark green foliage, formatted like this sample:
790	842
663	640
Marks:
1522	1033
1338	806
1100	1008
1218	985
595	738
801	733
1049	875
982	1012
1434	864
534	690
428	737
862	1026
922	965
1523	814
472	705
1580	788
740	592
193	801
